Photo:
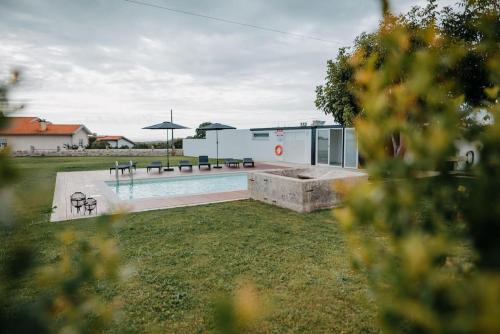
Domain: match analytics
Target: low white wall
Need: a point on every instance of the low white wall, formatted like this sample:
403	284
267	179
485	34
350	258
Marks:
241	144
99	153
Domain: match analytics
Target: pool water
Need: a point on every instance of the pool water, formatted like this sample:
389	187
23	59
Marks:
179	186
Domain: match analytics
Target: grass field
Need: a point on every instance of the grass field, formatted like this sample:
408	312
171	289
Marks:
186	257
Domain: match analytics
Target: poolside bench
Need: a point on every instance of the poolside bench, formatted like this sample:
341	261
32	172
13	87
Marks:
203	161
248	162
122	166
230	162
185	163
154	165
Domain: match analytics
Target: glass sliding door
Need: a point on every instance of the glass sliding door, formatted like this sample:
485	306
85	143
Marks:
322	146
350	149
336	145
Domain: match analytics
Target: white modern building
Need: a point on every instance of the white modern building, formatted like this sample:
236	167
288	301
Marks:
33	133
332	145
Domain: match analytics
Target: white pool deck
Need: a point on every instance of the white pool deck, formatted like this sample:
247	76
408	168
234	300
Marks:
92	183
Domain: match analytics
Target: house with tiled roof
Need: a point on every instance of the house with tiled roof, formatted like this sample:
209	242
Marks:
116	141
33	133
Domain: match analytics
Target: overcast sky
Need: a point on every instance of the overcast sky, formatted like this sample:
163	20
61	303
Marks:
116	66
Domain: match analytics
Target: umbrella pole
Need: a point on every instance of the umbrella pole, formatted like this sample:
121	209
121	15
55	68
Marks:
168	169
217	148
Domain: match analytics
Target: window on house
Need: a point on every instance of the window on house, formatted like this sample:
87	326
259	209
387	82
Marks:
80	142
260	135
3	142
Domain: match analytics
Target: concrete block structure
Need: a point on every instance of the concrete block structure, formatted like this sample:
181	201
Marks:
303	189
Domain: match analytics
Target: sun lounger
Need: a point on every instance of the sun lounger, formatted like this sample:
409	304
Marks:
122	166
203	161
185	163
248	162
154	165
232	163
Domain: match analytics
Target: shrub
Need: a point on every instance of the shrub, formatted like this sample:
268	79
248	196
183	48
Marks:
435	265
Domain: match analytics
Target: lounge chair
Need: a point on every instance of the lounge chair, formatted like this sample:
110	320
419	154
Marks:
248	162
185	163
154	165
122	166
203	161
232	163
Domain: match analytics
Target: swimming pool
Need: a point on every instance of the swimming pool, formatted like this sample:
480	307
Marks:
179	186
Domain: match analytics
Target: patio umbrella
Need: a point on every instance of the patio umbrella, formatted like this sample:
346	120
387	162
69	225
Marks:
216	127
166	126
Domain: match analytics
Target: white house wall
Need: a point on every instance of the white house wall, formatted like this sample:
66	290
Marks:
45	142
123	142
80	135
241	143
24	143
119	143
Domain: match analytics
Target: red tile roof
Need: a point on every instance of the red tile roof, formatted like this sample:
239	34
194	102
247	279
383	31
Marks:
24	126
112	138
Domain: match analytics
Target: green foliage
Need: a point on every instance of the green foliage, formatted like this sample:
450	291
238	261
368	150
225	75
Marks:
67	298
466	27
92	140
335	97
201	134
437	268
142	145
99	144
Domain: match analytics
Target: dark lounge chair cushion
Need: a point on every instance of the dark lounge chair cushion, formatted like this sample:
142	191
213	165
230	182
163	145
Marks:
203	161
248	161
185	163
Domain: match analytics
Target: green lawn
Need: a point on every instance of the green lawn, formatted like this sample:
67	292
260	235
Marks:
185	257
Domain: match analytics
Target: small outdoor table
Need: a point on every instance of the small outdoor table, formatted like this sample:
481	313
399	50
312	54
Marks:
90	205
77	201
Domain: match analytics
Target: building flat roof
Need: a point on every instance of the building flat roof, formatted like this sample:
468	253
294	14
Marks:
332	126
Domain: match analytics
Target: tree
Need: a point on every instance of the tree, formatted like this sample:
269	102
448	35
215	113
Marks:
99	144
92	140
177	143
201	134
426	239
336	96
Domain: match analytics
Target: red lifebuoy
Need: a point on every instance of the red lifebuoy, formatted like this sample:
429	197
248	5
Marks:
278	150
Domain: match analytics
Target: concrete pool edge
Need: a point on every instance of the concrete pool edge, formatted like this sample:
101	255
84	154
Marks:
93	184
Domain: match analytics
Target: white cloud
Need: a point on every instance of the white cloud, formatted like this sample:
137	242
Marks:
117	67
